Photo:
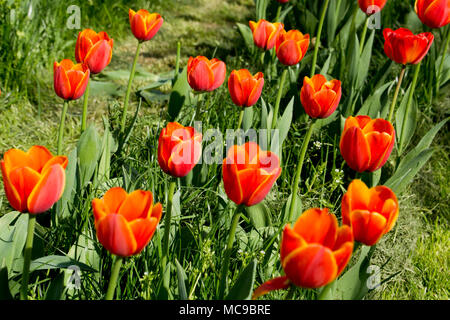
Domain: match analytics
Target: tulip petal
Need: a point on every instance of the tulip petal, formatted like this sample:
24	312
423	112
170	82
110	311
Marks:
255	93
113	199
368	227
24	180
355	149
264	187
290	241
48	190
138	27
312	266
137	204
317	226
11	193
271	285
201	77
116	236
231	183
38	158
98	56
218	68
143	230
236	92
343	248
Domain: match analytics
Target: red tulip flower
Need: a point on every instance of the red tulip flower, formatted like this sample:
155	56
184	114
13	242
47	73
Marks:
313	253
283	1
366	143
249	173
291	46
370	7
403	47
33	180
265	33
125	223
204	74
370	212
70	80
244	88
433	13
144	24
320	97
94	49
179	149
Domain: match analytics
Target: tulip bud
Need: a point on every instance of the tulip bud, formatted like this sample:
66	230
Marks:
402	46
291	47
144	24
366	143
33	180
320	97
265	33
249	173
125	223
371	213
204	74
244	88
433	13
70	80
179	149
94	49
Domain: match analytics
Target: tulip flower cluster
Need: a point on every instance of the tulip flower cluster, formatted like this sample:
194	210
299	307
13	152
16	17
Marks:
315	248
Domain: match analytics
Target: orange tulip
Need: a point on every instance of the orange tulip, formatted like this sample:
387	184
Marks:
433	13
371	6
402	46
249	173
70	80
204	74
179	149
320	97
291	46
244	88
370	212
265	33
366	143
33	180
313	253
125	223
144	24
94	49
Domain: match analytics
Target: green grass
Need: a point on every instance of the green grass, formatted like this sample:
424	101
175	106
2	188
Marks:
417	247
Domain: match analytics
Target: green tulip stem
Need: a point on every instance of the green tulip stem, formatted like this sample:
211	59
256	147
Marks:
226	261
363	36
277	103
441	65
114	276
127	95
85	107
241	117
299	171
167	222
408	106
319	32
61	127
27	257
177	61
277	17
394	100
